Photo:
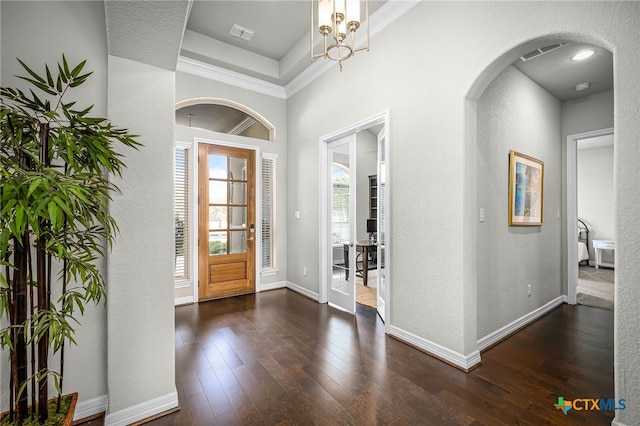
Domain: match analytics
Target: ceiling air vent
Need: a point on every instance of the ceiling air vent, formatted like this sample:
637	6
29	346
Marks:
534	54
241	32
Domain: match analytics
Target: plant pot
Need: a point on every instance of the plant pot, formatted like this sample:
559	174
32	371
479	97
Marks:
68	420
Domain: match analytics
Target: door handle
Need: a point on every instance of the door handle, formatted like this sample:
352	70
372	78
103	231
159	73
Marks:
250	238
350	244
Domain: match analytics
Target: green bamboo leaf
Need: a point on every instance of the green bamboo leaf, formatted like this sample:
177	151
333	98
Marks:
53	212
80	79
62	74
49	76
41	86
66	66
61	203
34	185
19	219
33	74
78	69
59	84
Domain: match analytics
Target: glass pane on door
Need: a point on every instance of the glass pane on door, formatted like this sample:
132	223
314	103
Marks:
238	242
217	243
340	218
237	168
217	166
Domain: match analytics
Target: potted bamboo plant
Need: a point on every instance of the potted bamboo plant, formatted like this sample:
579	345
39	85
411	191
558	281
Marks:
54	225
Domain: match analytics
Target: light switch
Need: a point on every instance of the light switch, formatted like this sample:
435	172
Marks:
481	215
296	214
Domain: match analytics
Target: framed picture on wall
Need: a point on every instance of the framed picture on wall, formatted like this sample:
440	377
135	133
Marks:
526	182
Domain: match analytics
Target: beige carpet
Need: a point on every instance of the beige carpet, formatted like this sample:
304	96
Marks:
365	295
596	287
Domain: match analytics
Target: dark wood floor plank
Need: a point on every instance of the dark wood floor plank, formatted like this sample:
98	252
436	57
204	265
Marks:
277	358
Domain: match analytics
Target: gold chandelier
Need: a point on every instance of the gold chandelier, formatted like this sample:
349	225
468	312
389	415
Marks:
335	20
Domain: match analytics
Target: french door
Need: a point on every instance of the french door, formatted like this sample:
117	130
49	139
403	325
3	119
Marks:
226	225
382	251
342	227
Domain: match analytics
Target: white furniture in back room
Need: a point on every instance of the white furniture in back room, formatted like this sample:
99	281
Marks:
600	245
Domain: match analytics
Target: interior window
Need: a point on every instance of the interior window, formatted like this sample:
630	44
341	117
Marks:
223	119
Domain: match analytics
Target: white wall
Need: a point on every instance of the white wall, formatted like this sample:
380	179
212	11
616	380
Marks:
367	165
76	29
581	115
431	92
141	352
514	113
273	110
595	194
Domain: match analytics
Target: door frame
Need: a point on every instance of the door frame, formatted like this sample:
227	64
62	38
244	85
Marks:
572	206
258	196
323	142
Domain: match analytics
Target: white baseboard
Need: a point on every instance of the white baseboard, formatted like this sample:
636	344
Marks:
271	286
465	362
493	338
91	407
142	411
303	291
184	300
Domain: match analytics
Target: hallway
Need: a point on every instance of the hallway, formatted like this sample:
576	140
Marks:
280	358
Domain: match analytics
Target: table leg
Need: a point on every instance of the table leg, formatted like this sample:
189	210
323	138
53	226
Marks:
365	267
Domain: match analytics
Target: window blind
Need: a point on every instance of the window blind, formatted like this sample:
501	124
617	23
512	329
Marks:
181	213
268	212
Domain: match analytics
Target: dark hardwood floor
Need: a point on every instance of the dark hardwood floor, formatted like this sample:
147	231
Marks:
279	358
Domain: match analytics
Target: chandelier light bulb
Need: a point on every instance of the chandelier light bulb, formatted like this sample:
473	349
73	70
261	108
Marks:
334	20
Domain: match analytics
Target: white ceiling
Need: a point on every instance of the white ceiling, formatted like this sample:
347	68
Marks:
595	142
279	49
558	74
278	25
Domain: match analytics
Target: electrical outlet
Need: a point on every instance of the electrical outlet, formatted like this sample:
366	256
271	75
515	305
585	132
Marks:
304	271
529	290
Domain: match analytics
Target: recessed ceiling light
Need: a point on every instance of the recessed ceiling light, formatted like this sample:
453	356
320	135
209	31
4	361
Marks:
582	86
583	54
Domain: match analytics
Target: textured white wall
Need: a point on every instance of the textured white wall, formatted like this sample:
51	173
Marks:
140	317
586	114
595	194
274	111
433	205
367	165
38	33
515	113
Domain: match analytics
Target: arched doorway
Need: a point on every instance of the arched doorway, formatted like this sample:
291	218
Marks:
248	131
223	116
521	272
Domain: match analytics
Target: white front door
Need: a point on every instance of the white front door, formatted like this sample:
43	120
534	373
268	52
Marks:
341	224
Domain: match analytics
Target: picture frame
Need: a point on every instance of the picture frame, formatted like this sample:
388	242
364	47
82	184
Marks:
526	190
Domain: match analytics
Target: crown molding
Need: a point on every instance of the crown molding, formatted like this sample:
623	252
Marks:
212	72
384	16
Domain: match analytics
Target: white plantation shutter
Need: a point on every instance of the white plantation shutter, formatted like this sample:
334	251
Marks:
268	211
181	212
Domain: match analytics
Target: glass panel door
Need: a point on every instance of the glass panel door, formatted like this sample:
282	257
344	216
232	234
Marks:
381	223
341	222
227	217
